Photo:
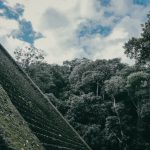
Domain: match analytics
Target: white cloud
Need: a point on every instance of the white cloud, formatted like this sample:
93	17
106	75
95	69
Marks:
58	21
6	38
1	11
120	7
53	19
57	46
7	26
11	44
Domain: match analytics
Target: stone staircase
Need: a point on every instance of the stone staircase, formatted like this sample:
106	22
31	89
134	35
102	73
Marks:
43	120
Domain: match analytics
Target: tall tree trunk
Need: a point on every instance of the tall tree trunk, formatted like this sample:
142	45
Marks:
139	120
123	145
148	87
97	89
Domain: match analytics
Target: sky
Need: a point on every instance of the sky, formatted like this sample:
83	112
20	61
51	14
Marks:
68	29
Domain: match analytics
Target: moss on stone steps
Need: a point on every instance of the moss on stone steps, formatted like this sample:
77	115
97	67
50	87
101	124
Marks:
14	131
36	109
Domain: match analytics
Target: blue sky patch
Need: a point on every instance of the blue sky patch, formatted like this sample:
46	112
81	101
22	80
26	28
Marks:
11	13
108	14
141	2
26	32
92	28
105	2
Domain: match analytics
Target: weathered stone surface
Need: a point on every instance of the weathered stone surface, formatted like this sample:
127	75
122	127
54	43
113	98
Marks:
44	120
14	131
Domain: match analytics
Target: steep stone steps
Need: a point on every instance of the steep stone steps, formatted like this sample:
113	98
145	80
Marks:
43	119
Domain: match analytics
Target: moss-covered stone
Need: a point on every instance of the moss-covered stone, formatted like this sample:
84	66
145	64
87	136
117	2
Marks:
13	128
44	120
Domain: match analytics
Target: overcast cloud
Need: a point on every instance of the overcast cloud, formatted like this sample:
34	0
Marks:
66	29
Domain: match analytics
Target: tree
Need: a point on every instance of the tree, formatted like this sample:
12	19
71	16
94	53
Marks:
94	136
90	76
28	55
138	89
87	109
87	114
91	81
75	62
47	77
113	87
138	86
139	48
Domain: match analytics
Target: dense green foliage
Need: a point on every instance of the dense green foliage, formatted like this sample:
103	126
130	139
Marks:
139	48
28	55
106	101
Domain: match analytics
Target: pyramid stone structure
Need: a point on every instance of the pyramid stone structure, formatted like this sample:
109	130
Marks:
15	133
28	120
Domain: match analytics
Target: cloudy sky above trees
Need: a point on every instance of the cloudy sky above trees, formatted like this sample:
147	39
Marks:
67	29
